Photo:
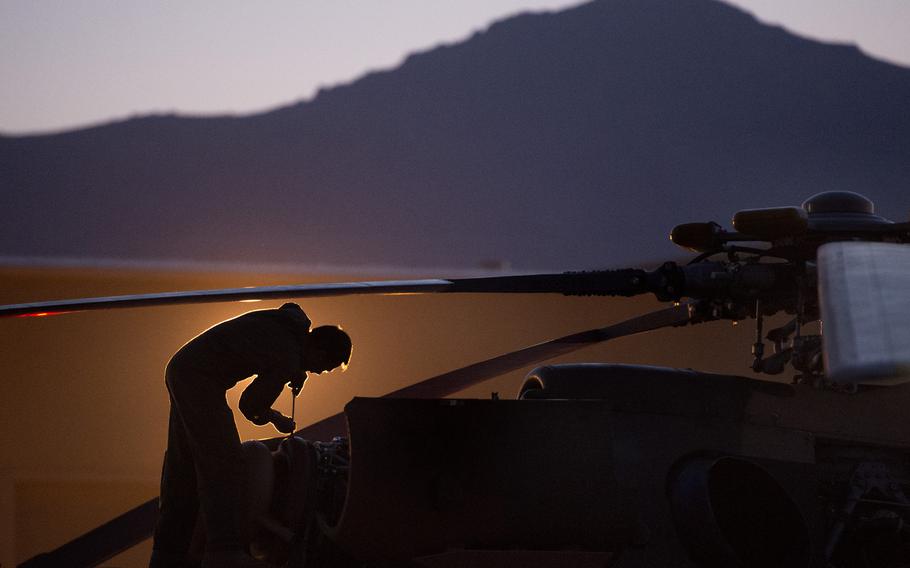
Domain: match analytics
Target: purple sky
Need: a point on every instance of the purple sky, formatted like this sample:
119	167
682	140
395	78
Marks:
68	64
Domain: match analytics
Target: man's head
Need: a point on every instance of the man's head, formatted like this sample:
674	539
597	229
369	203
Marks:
327	347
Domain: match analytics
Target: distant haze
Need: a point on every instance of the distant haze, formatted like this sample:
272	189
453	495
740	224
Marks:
69	64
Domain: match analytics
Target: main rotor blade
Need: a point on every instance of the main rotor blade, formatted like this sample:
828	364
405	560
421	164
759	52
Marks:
625	282
460	379
103	542
55	307
465	377
865	310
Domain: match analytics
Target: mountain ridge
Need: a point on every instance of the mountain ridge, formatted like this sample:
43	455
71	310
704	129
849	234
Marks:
543	140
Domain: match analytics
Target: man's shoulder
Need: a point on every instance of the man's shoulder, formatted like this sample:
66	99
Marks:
295	314
294	319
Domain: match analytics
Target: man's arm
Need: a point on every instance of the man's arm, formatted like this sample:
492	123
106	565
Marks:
257	399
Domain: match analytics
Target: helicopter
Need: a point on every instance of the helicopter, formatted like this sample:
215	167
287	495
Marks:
600	464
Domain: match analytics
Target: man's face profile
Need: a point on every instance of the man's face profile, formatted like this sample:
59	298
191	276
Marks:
318	361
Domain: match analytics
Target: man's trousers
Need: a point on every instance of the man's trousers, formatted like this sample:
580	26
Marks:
203	466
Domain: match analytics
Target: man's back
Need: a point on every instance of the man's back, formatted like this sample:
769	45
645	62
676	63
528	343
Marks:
258	342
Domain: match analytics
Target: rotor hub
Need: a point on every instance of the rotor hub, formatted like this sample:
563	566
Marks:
839	202
842	211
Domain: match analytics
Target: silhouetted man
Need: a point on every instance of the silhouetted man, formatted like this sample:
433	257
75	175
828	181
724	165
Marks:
204	464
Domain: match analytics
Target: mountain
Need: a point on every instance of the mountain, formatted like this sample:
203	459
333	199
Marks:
565	140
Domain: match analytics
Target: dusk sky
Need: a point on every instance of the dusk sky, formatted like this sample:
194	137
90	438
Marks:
70	64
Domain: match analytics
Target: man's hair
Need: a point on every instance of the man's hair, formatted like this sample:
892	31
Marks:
336	343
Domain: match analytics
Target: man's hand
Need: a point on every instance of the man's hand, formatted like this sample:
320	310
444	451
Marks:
297	383
282	423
